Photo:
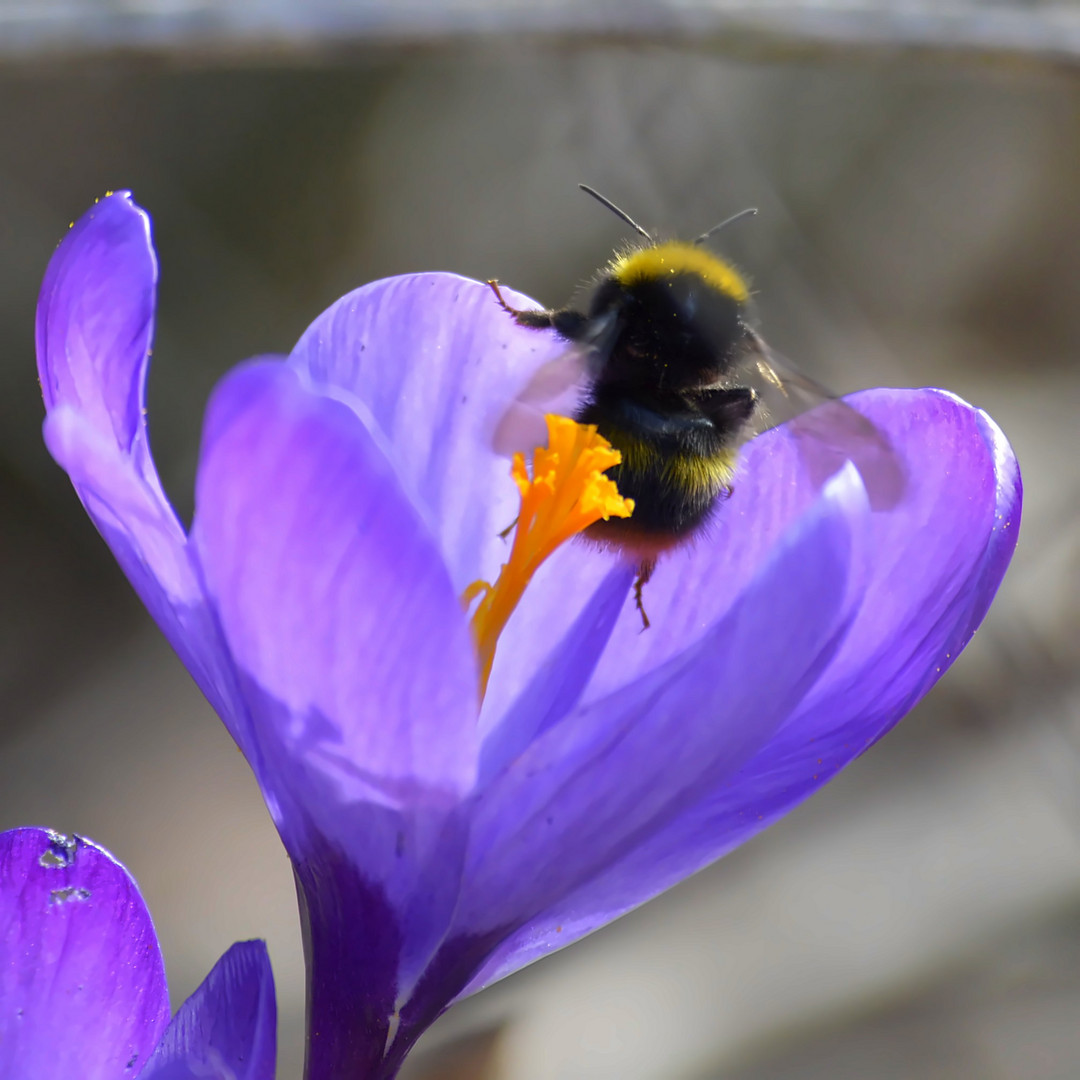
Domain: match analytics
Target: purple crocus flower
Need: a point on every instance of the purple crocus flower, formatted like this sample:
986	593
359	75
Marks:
82	983
347	497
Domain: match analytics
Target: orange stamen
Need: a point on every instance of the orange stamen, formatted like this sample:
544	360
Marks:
566	493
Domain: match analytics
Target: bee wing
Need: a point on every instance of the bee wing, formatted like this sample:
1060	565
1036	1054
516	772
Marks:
828	431
555	387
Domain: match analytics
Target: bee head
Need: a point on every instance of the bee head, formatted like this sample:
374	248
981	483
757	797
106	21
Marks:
676	316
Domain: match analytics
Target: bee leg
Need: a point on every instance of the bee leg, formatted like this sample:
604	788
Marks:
644	573
572	325
538	320
509	528
493	284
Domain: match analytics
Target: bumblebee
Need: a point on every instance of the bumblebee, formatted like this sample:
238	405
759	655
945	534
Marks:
670	360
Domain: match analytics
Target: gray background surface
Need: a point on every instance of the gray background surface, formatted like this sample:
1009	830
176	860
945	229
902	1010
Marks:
919	225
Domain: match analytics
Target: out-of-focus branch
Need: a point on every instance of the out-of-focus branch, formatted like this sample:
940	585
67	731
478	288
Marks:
202	31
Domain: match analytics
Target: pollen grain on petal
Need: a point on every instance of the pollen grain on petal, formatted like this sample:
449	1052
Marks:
563	493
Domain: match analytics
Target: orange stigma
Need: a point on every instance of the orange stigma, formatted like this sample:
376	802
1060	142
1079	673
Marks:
566	493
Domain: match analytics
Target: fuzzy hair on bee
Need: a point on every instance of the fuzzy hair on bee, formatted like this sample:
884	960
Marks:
668	363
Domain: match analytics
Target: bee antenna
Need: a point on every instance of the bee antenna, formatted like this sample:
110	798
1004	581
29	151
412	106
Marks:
750	211
617	212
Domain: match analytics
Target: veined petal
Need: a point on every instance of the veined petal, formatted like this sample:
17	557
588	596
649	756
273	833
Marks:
591	787
82	984
436	362
922	582
923	579
331	595
227	1029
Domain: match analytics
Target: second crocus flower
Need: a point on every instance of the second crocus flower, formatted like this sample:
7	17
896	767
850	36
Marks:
82	983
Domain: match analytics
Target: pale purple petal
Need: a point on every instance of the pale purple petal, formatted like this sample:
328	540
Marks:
227	1029
436	362
82	984
95	324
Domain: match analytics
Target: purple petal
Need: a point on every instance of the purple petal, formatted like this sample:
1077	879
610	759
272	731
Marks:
94	328
692	589
95	324
943	506
227	1029
330	592
353	943
594	786
592	789
151	549
82	984
923	581
356	662
920	592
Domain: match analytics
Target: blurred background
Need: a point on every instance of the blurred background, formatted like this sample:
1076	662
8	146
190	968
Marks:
917	169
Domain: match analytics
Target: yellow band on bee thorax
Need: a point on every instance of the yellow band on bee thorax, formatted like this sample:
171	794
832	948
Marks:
676	257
